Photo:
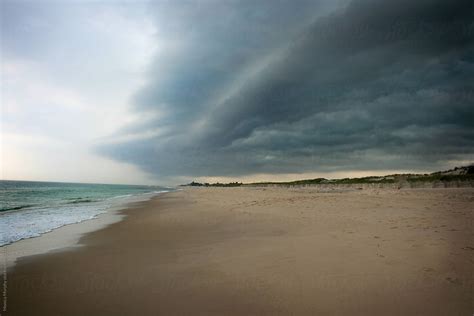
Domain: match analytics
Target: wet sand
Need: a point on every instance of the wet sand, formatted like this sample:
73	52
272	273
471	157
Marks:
264	251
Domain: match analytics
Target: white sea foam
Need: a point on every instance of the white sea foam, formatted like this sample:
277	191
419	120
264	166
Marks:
33	222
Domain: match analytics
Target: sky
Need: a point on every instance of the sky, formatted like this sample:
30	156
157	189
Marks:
173	91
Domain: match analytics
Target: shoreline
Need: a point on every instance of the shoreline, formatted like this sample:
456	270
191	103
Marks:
266	251
68	236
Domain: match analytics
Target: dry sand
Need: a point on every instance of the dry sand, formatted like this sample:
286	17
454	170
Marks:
264	251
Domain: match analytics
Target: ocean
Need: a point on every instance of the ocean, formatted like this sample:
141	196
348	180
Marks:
29	209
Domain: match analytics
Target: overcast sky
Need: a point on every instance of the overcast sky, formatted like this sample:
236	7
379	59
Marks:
170	91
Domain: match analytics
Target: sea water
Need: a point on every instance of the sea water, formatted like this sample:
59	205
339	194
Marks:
29	209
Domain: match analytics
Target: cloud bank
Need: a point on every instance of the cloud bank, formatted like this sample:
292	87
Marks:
239	88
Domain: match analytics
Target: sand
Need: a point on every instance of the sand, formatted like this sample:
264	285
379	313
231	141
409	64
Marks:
264	251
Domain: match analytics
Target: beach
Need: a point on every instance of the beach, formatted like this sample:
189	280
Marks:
263	251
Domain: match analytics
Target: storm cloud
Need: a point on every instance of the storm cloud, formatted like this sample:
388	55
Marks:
239	88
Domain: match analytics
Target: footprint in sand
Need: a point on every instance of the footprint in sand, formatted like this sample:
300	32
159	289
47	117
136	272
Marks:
455	281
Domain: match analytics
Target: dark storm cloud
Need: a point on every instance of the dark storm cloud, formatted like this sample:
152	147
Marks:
274	89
